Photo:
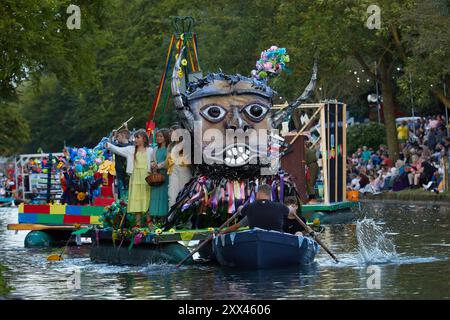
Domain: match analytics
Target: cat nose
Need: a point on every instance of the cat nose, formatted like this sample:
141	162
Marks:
237	122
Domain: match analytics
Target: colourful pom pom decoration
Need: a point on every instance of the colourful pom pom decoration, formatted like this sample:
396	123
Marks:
271	63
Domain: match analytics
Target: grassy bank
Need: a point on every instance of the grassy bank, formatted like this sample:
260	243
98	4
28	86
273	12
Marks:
410	195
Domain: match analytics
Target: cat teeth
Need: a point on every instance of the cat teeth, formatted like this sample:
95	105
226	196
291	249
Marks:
239	160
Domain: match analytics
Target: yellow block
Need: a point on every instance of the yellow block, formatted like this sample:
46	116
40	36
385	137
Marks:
57	209
95	220
21	208
186	236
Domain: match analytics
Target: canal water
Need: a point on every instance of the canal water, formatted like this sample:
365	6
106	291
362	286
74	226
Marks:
390	251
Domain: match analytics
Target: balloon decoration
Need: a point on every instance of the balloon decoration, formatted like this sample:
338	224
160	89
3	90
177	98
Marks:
84	170
86	162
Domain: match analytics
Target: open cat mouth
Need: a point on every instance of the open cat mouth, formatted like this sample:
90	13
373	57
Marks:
236	155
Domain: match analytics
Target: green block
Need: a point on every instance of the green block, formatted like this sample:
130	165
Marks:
92	210
97	210
86	211
50	218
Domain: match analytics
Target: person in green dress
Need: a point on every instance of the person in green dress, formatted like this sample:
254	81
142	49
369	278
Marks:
159	202
139	159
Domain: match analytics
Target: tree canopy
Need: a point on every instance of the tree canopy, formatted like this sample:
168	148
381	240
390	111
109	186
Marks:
74	86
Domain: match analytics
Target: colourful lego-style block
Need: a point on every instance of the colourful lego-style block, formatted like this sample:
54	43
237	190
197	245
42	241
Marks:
57	219
21	207
74	210
97	210
92	211
86	211
58	209
103	201
27	218
95	220
71	219
37	208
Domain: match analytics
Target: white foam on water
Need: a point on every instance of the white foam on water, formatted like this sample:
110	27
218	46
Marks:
373	245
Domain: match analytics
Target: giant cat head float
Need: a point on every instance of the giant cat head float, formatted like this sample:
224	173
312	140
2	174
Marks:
237	103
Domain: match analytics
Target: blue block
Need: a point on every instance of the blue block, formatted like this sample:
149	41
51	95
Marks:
28	218
75	210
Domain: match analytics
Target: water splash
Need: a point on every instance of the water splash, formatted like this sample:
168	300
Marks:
373	245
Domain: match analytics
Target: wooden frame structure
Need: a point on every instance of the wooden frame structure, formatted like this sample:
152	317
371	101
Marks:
332	122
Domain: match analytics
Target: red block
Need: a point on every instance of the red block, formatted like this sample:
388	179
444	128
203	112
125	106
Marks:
107	192
37	208
103	202
71	219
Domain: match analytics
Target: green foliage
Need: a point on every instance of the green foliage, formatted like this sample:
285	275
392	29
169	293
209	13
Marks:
14	130
35	40
371	135
77	85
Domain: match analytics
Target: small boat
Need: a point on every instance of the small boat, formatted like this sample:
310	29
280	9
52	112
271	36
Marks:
263	249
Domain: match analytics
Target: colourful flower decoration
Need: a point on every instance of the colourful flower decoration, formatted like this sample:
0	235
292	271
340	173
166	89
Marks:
271	63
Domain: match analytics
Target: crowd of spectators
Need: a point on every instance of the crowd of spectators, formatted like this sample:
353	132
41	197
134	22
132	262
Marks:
422	143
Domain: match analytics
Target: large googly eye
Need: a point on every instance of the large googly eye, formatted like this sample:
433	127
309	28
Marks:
213	113
255	111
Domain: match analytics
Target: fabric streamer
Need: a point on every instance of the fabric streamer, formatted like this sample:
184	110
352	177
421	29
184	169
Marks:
161	82
274	191
281	187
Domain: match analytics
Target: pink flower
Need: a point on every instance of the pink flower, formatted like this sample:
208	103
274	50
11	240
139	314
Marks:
268	66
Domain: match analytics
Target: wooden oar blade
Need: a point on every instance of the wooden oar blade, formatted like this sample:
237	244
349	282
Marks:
54	257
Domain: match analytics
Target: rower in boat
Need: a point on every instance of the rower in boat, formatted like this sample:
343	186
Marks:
263	213
291	225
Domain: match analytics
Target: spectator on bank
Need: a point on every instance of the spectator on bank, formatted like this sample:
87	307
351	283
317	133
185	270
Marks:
403	132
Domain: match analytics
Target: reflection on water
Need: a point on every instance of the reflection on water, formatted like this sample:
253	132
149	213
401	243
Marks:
409	243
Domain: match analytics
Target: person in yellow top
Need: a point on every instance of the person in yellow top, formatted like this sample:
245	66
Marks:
403	132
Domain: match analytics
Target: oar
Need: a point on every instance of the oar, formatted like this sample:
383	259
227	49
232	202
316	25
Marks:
208	239
126	122
30	226
58	257
316	238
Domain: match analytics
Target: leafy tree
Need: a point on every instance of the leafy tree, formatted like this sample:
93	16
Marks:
368	134
35	40
14	130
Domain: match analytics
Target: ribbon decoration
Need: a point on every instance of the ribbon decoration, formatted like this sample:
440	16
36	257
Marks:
230	191
161	84
191	54
199	193
282	187
274	191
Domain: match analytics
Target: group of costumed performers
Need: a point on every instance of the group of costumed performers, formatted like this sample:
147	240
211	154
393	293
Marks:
205	195
142	159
